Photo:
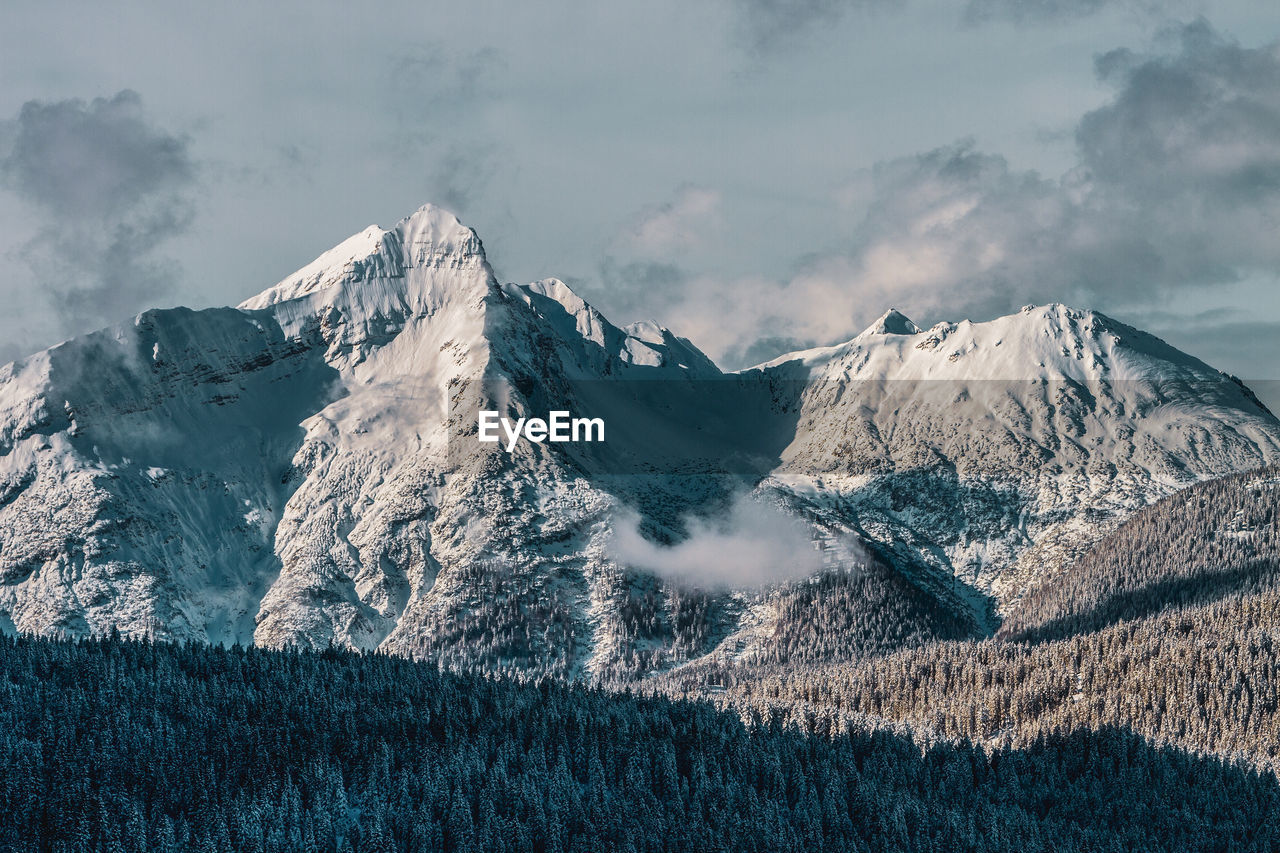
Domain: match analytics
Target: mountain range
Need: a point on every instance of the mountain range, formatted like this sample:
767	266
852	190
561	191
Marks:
303	469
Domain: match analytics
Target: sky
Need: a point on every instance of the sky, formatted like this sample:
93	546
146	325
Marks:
759	175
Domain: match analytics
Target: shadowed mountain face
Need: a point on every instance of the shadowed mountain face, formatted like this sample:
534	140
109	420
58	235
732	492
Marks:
306	469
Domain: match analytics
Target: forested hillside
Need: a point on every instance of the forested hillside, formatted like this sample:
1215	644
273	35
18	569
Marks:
1169	628
120	746
1215	539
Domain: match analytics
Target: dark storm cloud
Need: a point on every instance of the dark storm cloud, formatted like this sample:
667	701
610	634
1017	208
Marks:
110	187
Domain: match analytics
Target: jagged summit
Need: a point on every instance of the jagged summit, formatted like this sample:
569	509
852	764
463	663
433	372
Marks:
374	289
579	315
431	234
430	237
304	470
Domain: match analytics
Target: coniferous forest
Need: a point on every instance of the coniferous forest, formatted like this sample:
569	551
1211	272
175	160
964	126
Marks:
1168	628
110	745
487	427
1129	703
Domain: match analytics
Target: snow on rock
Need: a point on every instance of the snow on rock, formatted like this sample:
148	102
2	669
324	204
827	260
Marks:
999	450
892	322
303	469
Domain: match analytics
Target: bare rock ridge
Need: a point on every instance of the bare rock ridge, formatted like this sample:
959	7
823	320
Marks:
303	469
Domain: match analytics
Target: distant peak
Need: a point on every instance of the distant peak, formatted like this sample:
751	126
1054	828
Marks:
893	322
432	233
435	223
649	331
554	288
430	237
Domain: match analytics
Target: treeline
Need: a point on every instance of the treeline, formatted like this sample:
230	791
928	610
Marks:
121	746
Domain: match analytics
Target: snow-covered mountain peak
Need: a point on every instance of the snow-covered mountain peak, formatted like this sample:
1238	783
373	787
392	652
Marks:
652	344
601	346
1047	342
578	317
428	277
892	322
363	294
307	469
353	259
431	237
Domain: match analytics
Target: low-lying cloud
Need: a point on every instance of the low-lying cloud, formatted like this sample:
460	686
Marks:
753	544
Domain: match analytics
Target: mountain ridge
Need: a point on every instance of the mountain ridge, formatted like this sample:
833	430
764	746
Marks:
303	469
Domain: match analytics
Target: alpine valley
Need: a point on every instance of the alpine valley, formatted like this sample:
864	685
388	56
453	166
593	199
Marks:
303	469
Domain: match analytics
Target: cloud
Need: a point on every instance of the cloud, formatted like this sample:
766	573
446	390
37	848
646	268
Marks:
109	188
632	290
461	175
679	224
642	272
430	84
765	348
1053	11
433	93
1197	126
767	26
1176	187
772	26
97	160
753	544
433	76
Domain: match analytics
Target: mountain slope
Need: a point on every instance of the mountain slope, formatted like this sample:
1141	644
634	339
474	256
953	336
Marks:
305	469
1214	540
1167	628
996	452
